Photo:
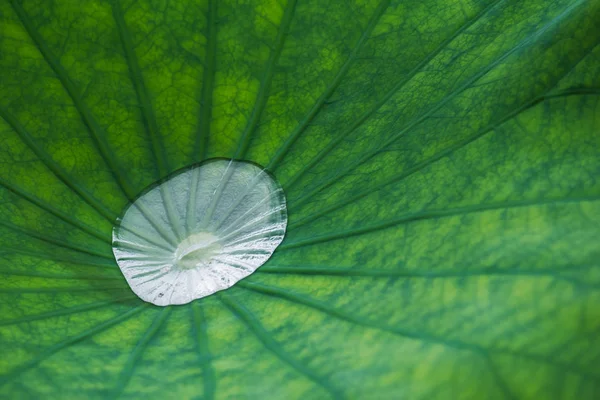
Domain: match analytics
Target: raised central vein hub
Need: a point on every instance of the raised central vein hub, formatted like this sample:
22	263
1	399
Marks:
197	250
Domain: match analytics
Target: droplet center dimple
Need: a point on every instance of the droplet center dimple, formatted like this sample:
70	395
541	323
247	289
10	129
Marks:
197	250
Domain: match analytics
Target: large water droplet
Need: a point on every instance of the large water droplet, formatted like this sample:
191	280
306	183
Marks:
200	231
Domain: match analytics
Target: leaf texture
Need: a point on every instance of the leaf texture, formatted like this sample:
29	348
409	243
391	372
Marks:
440	161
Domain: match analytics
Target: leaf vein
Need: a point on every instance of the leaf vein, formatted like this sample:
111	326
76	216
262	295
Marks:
267	340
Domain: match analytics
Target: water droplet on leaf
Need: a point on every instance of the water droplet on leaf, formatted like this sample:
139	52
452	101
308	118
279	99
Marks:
200	231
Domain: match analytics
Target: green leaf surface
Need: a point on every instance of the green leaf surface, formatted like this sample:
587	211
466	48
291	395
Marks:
440	160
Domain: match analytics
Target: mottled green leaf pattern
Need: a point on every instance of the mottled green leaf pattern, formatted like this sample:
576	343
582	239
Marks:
440	161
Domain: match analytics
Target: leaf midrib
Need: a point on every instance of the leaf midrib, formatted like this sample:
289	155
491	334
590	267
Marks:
431	214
